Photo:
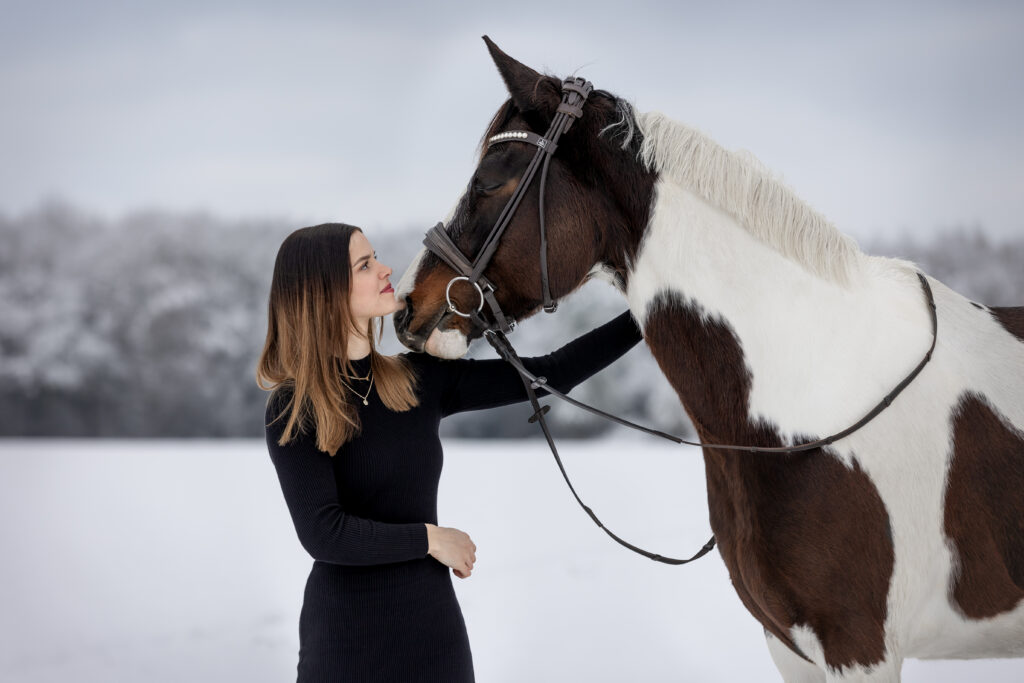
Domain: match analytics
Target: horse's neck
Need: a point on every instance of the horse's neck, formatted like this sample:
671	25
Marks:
809	355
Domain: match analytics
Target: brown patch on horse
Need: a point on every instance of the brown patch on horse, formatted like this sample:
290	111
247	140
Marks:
806	539
1012	319
596	194
984	514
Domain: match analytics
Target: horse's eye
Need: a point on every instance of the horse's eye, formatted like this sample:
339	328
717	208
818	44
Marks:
484	187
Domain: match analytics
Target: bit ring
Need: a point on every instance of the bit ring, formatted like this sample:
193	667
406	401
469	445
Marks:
448	297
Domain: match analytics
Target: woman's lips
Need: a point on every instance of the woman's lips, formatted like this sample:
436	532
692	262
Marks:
387	289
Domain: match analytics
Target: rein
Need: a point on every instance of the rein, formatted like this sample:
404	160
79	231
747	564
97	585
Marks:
532	382
574	93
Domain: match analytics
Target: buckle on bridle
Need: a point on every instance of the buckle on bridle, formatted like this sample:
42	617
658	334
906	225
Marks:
448	297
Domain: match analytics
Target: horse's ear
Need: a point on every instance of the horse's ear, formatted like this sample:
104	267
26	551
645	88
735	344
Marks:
530	91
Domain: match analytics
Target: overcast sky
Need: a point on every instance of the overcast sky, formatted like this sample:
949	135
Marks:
883	116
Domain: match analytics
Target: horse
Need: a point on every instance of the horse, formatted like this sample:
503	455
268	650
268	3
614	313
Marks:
902	539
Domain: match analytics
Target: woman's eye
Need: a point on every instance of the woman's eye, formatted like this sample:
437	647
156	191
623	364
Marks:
366	263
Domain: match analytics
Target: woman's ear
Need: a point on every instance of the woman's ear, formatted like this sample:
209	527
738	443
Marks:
531	92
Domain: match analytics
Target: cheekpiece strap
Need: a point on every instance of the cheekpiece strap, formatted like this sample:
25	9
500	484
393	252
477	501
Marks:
578	85
573	110
575	92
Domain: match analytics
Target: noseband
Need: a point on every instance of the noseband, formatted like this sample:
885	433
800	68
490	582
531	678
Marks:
575	92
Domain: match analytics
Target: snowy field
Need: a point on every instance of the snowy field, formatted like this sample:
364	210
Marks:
160	561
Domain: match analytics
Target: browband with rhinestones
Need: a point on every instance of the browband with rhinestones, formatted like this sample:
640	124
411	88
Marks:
523	136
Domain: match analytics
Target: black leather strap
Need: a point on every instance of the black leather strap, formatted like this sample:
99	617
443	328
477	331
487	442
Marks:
437	240
573	110
506	351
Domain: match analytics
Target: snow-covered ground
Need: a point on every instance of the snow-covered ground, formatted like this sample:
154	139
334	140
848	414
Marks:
159	561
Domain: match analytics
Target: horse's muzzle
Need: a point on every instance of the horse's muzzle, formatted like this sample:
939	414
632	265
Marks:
402	319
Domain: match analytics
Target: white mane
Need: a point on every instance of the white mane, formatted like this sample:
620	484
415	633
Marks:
742	186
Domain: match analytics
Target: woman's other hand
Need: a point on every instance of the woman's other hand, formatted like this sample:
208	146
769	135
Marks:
452	548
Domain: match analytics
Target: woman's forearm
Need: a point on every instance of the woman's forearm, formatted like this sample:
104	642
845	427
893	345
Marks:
478	384
588	354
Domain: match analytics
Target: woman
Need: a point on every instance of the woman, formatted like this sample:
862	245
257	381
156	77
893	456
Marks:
353	436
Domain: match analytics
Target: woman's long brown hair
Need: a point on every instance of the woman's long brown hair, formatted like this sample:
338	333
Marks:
308	327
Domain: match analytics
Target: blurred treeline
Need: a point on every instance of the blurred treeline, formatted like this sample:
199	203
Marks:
150	325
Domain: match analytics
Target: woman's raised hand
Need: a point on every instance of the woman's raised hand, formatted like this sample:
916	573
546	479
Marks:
452	548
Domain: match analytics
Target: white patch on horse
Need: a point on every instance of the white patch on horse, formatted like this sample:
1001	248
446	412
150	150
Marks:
808	642
446	344
794	669
605	273
826	332
625	127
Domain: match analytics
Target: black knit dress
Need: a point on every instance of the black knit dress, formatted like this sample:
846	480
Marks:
376	606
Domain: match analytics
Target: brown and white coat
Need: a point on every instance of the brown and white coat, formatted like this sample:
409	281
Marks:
904	539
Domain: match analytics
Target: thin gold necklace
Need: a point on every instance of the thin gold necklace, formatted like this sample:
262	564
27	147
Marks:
361	379
368	390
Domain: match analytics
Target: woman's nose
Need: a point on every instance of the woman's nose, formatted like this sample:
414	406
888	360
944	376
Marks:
387	272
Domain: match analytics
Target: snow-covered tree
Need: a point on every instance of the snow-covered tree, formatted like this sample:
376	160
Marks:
151	325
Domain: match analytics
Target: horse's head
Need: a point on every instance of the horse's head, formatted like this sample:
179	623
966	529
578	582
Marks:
595	201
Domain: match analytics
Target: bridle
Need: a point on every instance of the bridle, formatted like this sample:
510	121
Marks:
574	94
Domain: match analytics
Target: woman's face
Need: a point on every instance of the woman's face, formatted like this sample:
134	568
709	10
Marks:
370	294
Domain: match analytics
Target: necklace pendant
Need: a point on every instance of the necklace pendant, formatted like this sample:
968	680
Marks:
365	402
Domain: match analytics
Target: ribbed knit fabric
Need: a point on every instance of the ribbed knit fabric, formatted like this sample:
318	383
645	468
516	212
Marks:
376	607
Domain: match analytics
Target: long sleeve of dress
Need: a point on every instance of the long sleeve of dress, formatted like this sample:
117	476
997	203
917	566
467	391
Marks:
325	529
476	384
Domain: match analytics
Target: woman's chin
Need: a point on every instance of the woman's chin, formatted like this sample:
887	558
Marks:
392	306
